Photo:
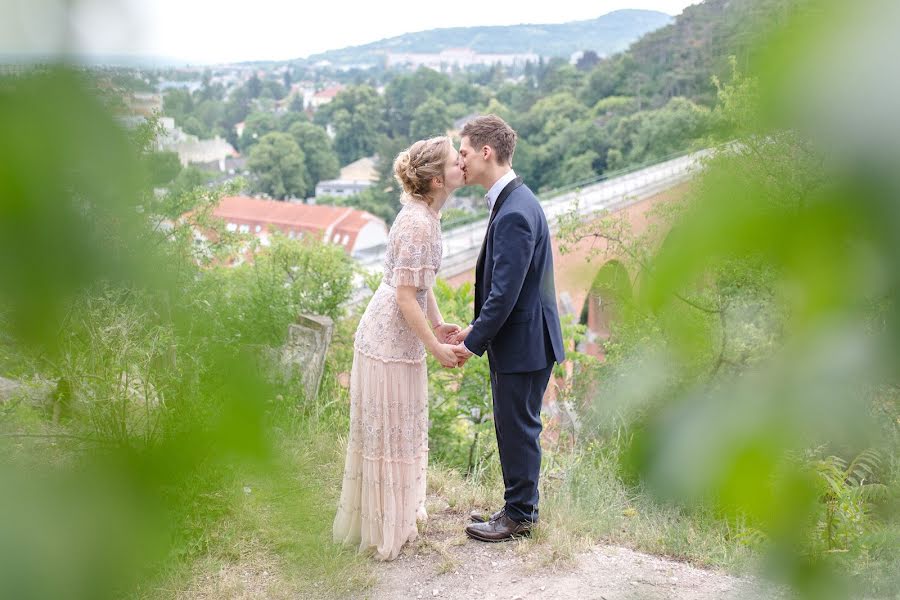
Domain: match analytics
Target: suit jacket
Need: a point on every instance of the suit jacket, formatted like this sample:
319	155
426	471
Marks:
516	317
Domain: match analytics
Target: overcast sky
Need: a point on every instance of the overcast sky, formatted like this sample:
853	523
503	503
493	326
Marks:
211	31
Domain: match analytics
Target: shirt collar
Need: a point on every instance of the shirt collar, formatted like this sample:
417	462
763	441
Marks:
491	197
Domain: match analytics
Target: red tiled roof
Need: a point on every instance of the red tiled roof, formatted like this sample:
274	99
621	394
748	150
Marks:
290	216
351	225
330	92
353	222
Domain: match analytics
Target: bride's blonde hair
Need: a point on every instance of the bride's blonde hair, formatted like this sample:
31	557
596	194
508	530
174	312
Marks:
415	167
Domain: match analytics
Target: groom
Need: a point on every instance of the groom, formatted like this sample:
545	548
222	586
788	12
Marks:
516	320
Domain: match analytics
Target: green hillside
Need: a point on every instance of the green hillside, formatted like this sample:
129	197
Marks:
680	58
605	35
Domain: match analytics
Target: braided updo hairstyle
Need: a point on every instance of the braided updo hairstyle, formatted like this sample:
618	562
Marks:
415	167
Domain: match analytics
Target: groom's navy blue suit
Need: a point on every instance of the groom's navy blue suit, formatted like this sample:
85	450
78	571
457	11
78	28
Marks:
517	324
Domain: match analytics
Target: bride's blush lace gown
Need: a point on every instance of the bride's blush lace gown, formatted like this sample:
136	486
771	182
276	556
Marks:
383	489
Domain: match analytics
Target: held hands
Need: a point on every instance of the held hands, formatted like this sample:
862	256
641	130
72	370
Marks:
446	333
451	356
462	353
461	336
450	351
446	355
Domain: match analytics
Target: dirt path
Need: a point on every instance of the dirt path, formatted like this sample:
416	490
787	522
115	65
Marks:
445	564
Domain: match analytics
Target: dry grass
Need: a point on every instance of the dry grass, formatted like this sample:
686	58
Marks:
277	543
583	503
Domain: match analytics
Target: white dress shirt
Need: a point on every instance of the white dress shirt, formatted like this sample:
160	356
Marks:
491	197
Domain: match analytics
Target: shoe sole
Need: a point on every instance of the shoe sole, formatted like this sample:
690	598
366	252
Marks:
514	536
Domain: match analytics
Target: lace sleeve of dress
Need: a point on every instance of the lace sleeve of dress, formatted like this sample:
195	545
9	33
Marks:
414	263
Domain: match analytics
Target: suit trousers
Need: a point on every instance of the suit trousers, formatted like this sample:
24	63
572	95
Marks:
517	401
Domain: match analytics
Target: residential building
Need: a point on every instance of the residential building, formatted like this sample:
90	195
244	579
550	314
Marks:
354	230
211	154
353	179
456	57
323	97
144	104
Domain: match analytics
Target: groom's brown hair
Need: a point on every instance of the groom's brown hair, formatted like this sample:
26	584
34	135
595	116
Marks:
491	130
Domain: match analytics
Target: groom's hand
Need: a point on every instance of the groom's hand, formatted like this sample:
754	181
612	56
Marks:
462	335
462	353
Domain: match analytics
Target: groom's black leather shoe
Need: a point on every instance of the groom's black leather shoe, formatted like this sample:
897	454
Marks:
499	530
476	516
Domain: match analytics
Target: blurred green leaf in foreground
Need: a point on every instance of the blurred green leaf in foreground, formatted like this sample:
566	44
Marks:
760	354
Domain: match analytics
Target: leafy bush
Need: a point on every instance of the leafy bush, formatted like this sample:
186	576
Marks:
461	433
159	398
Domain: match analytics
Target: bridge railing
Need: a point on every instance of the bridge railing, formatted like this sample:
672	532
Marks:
610	191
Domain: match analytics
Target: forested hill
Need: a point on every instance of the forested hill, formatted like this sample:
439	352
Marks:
605	35
575	122
680	58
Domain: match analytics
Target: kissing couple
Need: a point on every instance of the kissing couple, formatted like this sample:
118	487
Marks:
516	322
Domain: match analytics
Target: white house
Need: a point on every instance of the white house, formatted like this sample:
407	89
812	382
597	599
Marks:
353	179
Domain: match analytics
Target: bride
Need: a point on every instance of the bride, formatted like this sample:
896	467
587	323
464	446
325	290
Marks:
383	493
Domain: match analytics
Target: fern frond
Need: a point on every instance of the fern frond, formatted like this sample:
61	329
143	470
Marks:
863	467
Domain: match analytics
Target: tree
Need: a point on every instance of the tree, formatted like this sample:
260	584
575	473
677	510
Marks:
193	126
529	74
529	162
296	105
211	113
563	153
578	169
288	278
430	119
255	127
188	179
654	134
209	91
272	89
495	107
286	120
550	112
321	160
562	77
519	97
162	167
605	79
178	104
407	92
462	91
357	114
614	105
587	61
388	149
237	108
254	86
277	163
614	160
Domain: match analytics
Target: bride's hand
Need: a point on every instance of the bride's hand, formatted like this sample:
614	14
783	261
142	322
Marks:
445	355
446	332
